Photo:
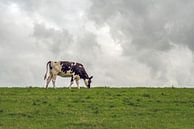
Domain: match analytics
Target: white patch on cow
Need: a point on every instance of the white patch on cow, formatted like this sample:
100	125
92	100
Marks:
77	77
66	74
56	67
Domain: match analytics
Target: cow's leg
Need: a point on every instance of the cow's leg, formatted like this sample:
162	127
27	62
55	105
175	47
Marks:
54	80
71	83
77	82
48	80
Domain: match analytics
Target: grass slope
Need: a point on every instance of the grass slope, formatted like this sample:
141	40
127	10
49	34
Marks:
96	108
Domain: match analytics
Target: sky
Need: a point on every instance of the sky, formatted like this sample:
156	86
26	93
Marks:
120	42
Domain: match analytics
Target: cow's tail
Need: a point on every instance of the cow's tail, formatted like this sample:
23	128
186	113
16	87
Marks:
49	63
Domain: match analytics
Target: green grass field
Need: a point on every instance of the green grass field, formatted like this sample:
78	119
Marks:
96	108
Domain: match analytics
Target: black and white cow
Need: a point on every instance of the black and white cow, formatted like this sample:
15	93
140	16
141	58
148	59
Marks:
67	69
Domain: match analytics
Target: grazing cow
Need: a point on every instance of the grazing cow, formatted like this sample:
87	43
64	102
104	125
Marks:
67	69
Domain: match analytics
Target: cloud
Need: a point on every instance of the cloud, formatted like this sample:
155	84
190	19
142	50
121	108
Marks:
121	43
148	24
56	41
147	30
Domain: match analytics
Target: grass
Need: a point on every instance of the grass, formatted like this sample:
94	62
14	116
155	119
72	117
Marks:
96	108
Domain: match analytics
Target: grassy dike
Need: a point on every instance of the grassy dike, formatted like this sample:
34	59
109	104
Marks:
96	108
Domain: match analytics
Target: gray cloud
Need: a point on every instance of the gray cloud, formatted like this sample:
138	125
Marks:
56	41
147	29
151	24
120	42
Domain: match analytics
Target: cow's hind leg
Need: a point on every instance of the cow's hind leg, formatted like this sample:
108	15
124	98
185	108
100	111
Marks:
54	80
48	80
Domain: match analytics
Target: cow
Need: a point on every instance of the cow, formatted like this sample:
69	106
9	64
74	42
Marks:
67	69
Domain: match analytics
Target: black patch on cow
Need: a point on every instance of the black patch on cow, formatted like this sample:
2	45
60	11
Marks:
78	69
49	63
78	65
66	65
71	78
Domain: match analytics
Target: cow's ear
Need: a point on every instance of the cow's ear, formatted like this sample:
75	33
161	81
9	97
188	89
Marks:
91	77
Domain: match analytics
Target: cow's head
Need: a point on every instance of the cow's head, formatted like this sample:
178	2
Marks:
88	81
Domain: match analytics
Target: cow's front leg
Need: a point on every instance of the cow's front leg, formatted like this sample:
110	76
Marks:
71	82
77	81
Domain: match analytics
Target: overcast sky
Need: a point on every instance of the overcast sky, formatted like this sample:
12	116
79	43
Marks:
119	42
